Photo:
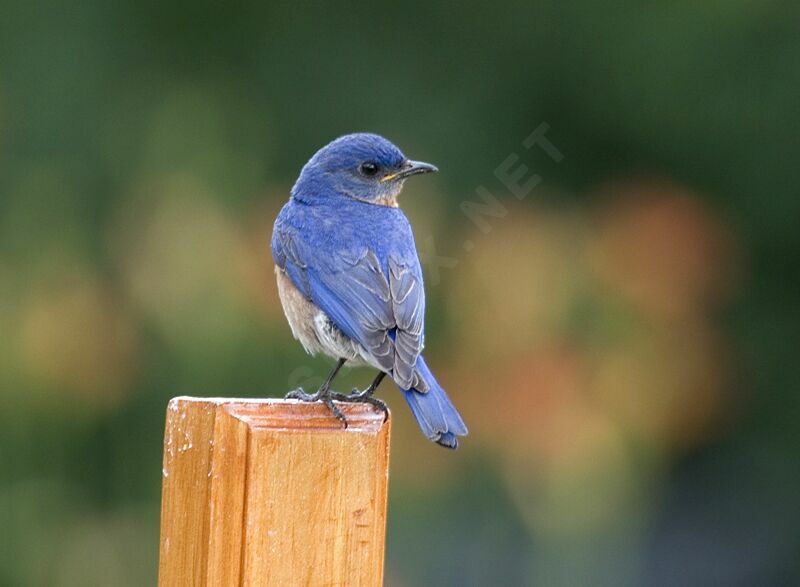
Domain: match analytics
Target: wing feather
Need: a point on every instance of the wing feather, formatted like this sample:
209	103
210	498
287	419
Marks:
380	303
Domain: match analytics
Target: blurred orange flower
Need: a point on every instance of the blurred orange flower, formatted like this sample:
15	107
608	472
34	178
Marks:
662	248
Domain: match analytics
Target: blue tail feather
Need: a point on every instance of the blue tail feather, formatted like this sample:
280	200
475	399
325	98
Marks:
435	413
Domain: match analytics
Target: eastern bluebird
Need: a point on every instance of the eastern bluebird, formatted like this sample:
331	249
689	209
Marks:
349	277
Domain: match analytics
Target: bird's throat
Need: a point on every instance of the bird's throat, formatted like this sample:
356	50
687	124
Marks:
389	200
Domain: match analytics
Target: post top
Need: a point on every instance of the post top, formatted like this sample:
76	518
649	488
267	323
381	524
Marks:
290	414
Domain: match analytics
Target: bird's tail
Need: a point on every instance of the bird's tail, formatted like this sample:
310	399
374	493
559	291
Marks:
435	413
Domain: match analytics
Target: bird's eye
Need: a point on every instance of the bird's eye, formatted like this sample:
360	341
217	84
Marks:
369	169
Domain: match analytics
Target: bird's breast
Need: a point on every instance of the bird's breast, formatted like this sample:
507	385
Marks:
299	311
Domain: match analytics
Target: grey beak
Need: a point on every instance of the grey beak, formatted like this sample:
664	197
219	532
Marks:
412	168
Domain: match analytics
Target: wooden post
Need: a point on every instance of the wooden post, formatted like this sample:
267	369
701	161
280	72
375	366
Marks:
272	492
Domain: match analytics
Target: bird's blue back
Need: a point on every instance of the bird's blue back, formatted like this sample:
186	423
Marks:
333	231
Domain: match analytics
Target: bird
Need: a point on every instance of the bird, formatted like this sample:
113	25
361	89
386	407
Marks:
350	280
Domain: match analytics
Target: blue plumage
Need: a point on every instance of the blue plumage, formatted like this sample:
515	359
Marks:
435	413
349	275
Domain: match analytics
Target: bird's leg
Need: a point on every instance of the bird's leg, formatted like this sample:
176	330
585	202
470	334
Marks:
367	393
323	394
365	397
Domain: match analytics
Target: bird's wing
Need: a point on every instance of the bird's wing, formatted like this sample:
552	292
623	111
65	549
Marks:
380	303
408	304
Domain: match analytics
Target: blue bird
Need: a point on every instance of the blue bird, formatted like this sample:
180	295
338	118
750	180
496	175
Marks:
350	281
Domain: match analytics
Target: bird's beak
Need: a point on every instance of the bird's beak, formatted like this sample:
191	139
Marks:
411	168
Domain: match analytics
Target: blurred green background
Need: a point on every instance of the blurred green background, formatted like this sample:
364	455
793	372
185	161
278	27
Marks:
622	341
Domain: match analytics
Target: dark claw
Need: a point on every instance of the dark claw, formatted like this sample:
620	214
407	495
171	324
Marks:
381	405
362	397
323	395
334	410
339	397
300	394
327	396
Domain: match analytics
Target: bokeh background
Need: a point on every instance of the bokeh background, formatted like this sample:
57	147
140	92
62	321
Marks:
622	341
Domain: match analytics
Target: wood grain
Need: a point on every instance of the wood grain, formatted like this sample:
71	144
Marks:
272	492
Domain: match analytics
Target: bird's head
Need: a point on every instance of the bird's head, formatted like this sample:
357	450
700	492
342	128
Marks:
362	166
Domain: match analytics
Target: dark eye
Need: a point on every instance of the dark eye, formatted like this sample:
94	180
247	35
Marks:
369	168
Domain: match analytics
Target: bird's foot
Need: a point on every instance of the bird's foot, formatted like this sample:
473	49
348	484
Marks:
301	394
324	395
363	397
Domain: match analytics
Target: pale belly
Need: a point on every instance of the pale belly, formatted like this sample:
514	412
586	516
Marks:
312	327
